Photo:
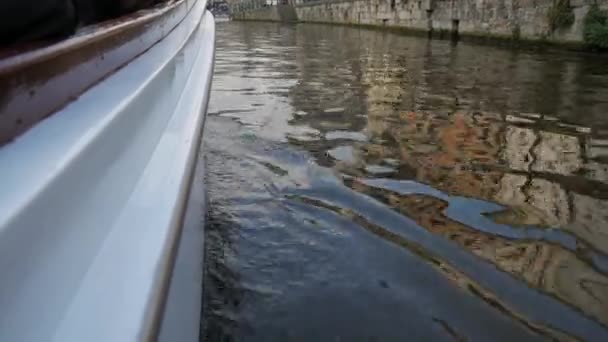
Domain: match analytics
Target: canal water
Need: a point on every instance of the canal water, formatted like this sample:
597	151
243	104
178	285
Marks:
367	186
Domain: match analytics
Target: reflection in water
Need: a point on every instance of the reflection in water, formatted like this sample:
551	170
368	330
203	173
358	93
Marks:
369	186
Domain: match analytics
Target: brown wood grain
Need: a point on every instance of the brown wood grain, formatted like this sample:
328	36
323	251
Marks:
36	83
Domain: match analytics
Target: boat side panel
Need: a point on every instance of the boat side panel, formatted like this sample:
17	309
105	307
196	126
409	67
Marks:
93	195
180	320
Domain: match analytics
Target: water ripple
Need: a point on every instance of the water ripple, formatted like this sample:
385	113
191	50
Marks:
370	186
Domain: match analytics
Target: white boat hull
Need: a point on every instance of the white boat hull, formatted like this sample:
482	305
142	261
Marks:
93	197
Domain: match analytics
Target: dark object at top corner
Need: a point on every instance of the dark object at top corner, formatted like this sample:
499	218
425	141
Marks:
34	20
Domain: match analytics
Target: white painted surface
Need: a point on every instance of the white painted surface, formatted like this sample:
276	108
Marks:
91	198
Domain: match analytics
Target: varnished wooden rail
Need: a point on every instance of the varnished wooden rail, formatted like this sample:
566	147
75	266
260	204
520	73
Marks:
38	82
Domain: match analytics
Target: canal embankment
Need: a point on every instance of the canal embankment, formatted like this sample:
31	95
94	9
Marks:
574	23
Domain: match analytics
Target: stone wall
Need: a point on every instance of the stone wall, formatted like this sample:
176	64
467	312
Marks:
283	13
263	13
522	19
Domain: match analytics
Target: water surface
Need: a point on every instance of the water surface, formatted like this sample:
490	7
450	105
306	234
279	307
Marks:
366	186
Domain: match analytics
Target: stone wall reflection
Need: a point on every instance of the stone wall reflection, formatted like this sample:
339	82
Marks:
529	162
464	157
543	265
500	126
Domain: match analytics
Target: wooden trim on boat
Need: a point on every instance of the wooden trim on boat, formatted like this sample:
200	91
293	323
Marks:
37	83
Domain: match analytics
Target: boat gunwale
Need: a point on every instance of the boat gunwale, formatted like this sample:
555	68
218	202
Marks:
41	81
